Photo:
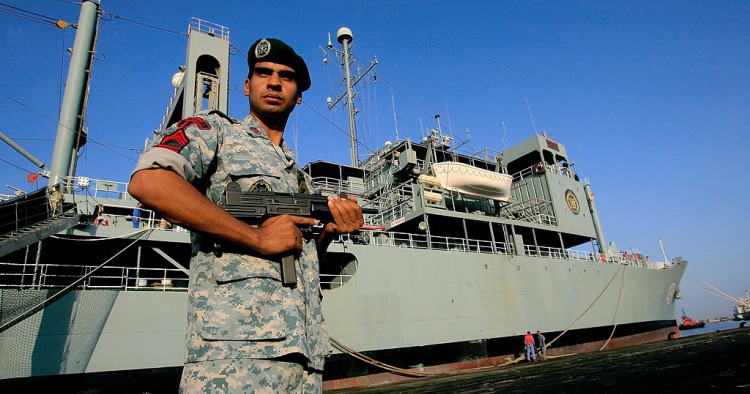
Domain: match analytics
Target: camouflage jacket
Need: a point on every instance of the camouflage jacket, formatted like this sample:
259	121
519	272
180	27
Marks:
237	305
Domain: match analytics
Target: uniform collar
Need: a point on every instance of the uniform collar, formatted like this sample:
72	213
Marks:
256	130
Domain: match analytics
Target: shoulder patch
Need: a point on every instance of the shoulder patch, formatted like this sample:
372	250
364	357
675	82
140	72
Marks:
260	186
178	139
200	123
175	141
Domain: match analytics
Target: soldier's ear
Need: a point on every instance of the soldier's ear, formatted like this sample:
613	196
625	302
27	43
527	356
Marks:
299	98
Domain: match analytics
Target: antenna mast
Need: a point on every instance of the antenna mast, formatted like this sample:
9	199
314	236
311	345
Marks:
70	133
344	37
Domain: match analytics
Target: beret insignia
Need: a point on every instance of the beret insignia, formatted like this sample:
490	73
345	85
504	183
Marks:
262	49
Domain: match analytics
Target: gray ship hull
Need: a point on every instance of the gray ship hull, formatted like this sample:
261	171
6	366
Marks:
391	298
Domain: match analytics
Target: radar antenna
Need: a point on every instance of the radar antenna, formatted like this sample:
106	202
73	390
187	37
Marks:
344	37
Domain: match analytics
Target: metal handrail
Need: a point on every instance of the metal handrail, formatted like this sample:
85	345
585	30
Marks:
47	276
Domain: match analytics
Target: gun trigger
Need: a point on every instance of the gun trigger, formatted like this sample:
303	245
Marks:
307	231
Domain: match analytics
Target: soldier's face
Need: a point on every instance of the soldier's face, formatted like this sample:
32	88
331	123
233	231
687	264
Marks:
272	90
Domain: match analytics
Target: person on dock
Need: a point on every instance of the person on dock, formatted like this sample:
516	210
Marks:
247	331
528	340
542	341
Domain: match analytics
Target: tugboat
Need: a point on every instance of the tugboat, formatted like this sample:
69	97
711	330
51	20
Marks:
742	309
689	323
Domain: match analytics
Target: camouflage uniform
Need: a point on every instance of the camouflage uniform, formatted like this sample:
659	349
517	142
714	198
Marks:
238	308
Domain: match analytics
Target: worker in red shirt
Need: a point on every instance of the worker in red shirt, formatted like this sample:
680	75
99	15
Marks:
528	339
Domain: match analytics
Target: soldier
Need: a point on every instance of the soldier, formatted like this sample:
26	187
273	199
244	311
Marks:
246	332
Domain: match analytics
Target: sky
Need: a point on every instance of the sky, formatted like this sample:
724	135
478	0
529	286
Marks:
650	99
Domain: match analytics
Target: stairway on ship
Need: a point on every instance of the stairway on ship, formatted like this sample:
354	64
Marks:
28	219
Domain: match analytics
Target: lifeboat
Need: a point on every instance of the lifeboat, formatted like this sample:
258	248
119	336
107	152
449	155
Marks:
472	181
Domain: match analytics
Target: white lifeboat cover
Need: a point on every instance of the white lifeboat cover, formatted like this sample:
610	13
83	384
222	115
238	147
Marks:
473	181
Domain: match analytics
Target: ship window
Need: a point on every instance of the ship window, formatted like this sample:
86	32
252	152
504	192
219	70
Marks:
336	269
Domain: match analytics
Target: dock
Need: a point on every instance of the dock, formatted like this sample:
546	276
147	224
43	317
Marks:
715	362
712	362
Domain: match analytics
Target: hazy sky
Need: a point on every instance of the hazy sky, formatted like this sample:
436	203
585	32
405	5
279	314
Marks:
651	99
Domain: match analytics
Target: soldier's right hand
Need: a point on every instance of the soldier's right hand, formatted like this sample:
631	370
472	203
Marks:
281	234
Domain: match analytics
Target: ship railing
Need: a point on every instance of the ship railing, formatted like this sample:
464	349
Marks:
332	281
45	276
97	187
422	241
6	197
548	168
209	28
147	219
24	211
392	204
545	251
571	254
335	185
579	255
523	174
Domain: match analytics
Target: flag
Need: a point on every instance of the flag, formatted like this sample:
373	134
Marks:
33	177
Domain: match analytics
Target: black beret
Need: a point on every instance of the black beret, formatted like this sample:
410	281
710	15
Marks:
276	51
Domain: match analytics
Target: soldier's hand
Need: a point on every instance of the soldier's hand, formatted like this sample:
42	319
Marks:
347	215
281	234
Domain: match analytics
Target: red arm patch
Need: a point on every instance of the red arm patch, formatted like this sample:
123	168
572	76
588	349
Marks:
178	140
175	141
200	123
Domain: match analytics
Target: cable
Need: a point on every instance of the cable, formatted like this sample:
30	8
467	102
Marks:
22	169
712	287
617	309
115	16
587	309
28	15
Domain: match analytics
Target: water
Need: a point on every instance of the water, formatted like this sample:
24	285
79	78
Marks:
712	327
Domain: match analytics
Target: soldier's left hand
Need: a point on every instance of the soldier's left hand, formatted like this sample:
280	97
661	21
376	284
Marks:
347	215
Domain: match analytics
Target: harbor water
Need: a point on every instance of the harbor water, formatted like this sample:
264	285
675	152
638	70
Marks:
711	327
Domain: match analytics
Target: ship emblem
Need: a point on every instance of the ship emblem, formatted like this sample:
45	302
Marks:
572	201
262	49
260	186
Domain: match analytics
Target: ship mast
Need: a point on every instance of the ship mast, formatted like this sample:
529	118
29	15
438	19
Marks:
344	37
70	134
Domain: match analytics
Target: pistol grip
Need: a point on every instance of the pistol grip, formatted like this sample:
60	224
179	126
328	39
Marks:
288	272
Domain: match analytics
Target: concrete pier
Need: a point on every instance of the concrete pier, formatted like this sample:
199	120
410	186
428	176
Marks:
716	362
713	362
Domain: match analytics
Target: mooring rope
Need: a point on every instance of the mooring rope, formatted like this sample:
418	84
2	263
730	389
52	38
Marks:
587	309
418	374
369	360
617	309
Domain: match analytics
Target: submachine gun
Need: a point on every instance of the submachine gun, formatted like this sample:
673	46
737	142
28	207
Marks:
255	207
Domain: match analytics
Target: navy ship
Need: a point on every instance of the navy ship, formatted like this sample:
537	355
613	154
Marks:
465	254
